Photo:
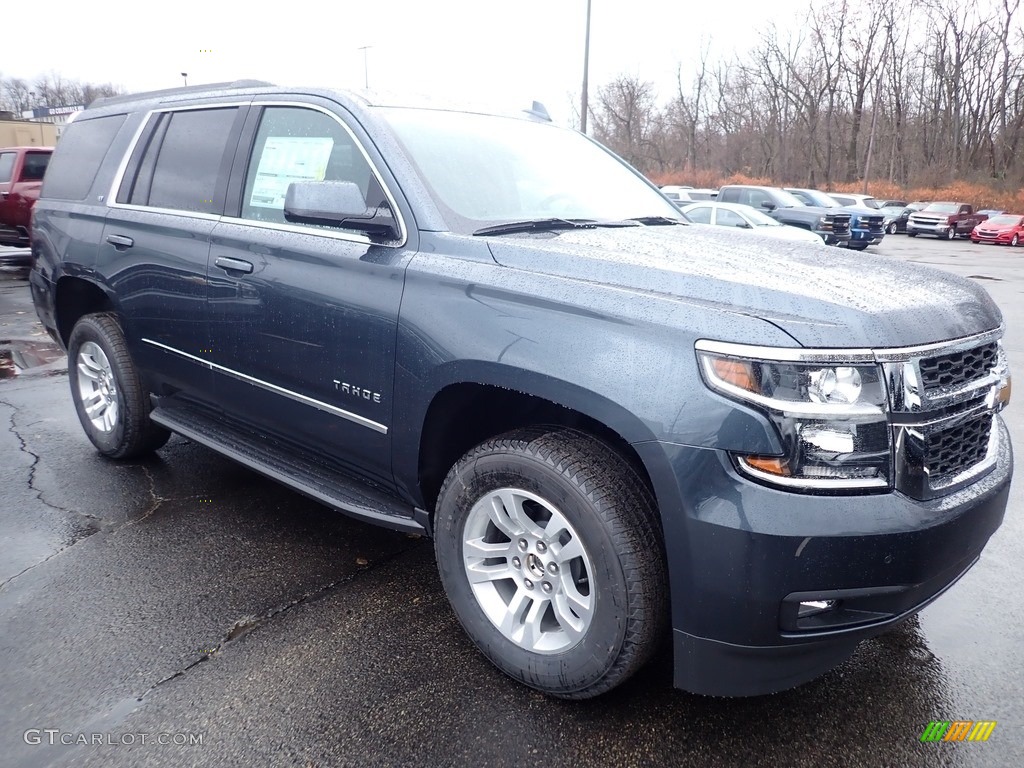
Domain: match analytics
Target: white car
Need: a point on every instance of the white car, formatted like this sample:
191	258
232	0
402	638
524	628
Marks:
745	217
683	195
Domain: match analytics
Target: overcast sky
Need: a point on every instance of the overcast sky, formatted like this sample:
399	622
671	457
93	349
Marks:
478	51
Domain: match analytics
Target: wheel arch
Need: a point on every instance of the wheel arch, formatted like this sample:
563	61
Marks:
466	410
75	297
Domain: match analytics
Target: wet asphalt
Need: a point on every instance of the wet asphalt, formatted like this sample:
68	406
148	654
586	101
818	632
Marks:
186	598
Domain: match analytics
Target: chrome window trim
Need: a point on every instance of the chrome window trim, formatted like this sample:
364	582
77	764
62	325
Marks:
304	399
297	228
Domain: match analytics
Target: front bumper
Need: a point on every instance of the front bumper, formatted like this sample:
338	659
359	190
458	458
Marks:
939	230
1002	238
742	556
832	238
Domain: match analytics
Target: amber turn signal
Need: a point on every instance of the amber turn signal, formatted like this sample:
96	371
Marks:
772	466
739	373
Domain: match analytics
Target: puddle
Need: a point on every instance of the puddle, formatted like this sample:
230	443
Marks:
20	357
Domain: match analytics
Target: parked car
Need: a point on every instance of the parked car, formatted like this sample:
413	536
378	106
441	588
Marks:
684	195
745	217
1007	229
492	331
892	204
854	201
832	226
896	217
21	176
988	213
866	224
944	220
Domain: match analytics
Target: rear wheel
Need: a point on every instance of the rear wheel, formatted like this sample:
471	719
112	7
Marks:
549	548
109	398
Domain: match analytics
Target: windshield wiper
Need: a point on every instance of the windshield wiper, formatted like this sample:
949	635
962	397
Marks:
652	221
540	225
531	225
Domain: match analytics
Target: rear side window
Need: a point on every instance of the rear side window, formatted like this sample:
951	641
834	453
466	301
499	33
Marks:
188	161
6	166
34	166
78	157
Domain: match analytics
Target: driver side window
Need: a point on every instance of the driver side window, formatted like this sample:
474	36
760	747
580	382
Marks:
727	218
298	144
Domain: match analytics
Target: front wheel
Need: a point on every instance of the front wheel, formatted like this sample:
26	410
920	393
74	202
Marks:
550	551
911	234
109	398
891	229
1014	240
951	234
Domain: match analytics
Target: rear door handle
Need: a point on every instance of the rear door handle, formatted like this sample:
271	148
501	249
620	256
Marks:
120	241
233	265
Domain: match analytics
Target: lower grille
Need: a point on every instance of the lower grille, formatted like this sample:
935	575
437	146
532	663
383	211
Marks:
955	450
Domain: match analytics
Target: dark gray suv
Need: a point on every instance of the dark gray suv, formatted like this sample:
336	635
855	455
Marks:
491	330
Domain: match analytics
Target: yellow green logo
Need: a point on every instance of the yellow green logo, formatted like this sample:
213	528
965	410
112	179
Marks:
958	730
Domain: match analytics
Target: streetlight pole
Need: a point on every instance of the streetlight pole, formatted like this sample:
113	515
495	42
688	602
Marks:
185	76
366	68
586	72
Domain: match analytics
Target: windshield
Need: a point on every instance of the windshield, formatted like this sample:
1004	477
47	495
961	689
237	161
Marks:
942	208
483	170
1005	221
819	199
758	219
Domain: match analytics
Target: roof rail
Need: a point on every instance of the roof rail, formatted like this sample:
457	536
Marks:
185	90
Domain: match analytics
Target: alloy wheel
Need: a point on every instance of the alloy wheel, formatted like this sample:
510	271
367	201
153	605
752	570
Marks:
97	387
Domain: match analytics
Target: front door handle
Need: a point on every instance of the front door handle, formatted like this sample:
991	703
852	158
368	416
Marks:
233	265
120	241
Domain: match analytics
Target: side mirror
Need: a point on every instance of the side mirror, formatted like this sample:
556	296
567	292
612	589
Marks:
768	206
743	225
340	203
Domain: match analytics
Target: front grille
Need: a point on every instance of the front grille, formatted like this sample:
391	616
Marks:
875	223
952	451
840	224
958	368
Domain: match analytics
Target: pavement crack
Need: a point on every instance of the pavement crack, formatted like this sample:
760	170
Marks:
155	499
246	624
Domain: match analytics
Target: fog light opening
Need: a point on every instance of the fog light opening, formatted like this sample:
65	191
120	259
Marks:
814	607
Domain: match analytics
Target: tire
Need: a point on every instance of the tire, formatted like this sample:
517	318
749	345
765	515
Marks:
951	234
618	582
1014	240
891	229
119	425
911	234
858	247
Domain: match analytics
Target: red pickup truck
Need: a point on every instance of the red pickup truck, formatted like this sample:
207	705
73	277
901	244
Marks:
21	176
944	220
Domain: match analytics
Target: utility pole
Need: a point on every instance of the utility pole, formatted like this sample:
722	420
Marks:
366	68
586	72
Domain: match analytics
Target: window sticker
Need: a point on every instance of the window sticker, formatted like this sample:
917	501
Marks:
286	159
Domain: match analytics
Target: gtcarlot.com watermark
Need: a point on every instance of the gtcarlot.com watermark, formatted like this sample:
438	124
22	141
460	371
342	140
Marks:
54	736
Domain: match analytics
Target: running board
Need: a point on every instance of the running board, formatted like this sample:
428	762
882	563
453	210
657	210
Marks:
302	473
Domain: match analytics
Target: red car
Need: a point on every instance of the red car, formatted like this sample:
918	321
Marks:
21	177
1005	228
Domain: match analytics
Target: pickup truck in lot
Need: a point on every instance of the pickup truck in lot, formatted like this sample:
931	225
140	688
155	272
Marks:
21	177
490	330
944	220
867	224
832	226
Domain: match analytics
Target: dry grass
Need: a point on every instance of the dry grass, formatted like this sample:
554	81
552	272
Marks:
979	195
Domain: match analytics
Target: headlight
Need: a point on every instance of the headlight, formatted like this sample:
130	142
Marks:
831	417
